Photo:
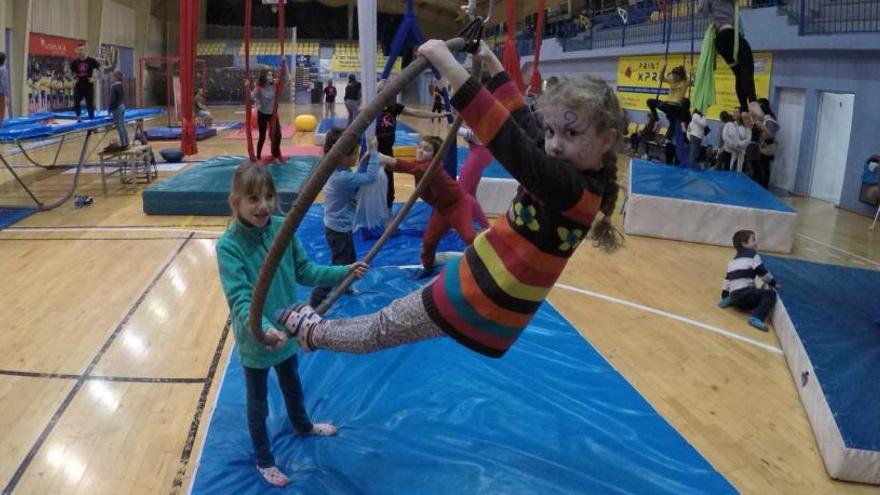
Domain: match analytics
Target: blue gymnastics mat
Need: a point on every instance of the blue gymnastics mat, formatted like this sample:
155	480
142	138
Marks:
324	126
708	186
831	309
203	189
42	124
494	171
9	216
172	133
551	417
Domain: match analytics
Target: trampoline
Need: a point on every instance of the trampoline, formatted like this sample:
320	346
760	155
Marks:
62	125
705	206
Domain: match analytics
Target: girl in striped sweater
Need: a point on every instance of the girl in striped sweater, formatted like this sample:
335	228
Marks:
486	298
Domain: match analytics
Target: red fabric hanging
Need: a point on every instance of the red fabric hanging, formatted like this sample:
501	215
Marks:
189	29
282	75
248	118
510	58
537	82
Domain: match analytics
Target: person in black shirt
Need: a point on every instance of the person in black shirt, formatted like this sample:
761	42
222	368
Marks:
83	68
352	97
386	129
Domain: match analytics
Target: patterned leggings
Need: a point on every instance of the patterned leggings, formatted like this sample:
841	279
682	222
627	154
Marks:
404	321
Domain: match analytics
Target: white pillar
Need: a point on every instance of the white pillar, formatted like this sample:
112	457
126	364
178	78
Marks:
367	42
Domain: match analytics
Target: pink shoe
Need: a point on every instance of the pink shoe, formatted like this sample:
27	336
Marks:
299	320
322	430
274	476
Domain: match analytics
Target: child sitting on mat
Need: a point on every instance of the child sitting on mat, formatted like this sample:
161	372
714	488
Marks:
240	254
446	197
486	298
739	289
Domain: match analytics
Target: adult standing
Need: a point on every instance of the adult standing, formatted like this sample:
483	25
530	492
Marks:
83	68
765	122
264	99
329	100
352	97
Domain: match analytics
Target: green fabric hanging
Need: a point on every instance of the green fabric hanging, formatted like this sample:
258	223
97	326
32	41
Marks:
704	84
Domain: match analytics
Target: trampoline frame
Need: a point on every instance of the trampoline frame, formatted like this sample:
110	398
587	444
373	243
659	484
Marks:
103	127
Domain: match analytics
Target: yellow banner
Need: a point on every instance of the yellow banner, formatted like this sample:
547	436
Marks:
638	77
351	62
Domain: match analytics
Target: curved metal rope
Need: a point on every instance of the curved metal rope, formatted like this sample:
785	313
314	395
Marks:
318	178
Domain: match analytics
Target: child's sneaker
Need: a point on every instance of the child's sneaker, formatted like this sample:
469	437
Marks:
87	200
322	430
299	320
274	476
760	325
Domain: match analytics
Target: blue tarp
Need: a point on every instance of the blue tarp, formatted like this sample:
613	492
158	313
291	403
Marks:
551	417
708	186
28	128
832	308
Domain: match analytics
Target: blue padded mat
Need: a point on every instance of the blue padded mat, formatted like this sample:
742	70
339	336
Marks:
204	188
708	186
28	128
832	308
551	417
324	125
9	216
172	133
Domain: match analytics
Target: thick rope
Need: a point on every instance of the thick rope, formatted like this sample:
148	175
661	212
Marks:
310	190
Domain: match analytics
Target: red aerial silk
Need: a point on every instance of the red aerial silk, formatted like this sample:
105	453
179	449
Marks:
510	58
189	29
536	82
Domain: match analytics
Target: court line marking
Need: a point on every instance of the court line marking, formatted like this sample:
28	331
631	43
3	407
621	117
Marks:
44	435
188	446
832	246
12	239
100	378
115	229
673	316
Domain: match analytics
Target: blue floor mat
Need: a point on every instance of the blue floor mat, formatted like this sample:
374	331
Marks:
551	417
9	216
707	186
494	171
172	133
204	189
832	308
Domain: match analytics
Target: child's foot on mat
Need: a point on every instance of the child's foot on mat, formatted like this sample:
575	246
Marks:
273	476
299	320
322	430
760	325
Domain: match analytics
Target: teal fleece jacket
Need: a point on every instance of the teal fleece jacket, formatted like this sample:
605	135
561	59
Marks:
240	254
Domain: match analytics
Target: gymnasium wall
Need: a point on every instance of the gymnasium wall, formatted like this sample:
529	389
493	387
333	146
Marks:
66	18
843	63
118	24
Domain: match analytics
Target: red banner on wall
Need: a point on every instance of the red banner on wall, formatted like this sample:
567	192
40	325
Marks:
53	46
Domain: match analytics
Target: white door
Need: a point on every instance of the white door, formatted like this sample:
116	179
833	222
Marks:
832	146
790	116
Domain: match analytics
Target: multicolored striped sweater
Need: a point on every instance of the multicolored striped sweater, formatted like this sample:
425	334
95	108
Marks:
486	298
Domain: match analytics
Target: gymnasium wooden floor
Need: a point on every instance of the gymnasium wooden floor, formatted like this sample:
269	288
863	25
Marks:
114	338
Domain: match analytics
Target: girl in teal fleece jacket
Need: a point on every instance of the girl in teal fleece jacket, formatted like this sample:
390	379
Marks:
240	254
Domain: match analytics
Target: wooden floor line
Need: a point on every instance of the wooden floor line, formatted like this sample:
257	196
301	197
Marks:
169	228
673	316
44	435
844	251
175	238
102	378
188	446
